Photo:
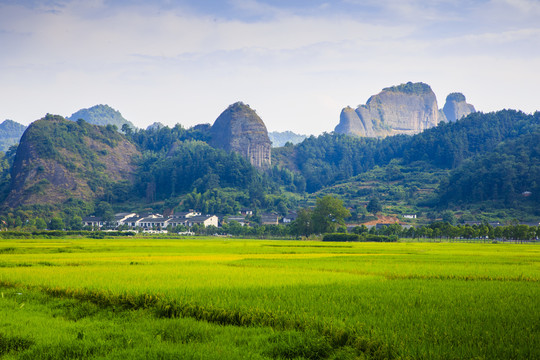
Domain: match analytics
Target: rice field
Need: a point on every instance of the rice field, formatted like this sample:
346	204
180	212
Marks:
268	299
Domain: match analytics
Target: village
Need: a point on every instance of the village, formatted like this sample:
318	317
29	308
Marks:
179	222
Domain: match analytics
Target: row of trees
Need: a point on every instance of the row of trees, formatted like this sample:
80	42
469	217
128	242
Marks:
444	230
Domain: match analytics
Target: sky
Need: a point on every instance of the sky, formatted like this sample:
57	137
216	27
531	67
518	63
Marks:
296	62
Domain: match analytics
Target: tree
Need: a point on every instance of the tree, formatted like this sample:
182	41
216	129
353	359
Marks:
126	129
303	224
105	211
76	223
56	223
374	206
448	216
328	213
40	224
360	229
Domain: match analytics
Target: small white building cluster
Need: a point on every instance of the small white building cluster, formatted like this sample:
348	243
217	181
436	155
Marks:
154	221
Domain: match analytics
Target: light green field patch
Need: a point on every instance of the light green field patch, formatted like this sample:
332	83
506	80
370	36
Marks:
420	300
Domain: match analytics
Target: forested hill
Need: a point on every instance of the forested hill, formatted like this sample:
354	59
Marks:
60	160
449	144
508	175
101	115
10	134
330	158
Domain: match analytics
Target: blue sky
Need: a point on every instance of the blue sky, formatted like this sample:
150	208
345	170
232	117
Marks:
297	63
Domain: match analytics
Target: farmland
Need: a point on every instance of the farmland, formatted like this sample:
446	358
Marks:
208	298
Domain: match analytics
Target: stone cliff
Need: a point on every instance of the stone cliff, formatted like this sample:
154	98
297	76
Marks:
59	159
456	107
241	130
405	109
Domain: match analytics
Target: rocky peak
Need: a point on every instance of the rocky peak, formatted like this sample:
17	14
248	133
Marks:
404	109
241	130
456	107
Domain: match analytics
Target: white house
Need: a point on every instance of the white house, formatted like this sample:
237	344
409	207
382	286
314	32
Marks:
290	217
206	220
153	221
93	221
121	218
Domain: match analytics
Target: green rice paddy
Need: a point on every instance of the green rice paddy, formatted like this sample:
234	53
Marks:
257	299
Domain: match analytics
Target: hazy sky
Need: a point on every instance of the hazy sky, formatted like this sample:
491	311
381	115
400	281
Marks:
296	62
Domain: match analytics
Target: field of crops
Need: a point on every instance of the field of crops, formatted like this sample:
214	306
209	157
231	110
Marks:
208	298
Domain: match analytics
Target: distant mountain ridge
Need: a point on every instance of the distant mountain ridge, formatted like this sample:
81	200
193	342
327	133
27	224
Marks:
101	115
10	134
279	139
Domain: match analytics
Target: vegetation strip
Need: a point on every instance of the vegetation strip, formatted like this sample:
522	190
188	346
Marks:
337	337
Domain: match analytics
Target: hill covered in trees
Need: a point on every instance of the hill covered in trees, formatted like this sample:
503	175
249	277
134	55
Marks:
351	165
101	115
10	134
61	161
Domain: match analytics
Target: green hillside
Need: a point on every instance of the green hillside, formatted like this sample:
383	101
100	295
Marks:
61	161
101	115
410	174
10	134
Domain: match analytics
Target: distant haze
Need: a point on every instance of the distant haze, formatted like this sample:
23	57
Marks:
297	63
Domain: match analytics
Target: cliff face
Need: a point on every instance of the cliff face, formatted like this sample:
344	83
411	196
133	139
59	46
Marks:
241	130
405	109
456	107
58	159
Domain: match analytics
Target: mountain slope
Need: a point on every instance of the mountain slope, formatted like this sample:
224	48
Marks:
508	176
59	159
330	158
10	134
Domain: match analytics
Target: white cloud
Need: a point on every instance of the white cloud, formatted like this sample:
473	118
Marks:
297	71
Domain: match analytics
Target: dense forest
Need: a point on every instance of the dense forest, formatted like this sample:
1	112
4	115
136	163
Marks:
330	158
508	176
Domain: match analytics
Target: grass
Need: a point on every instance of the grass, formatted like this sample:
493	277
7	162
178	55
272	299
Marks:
283	299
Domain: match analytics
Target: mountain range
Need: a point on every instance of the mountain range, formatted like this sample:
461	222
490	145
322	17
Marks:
475	164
